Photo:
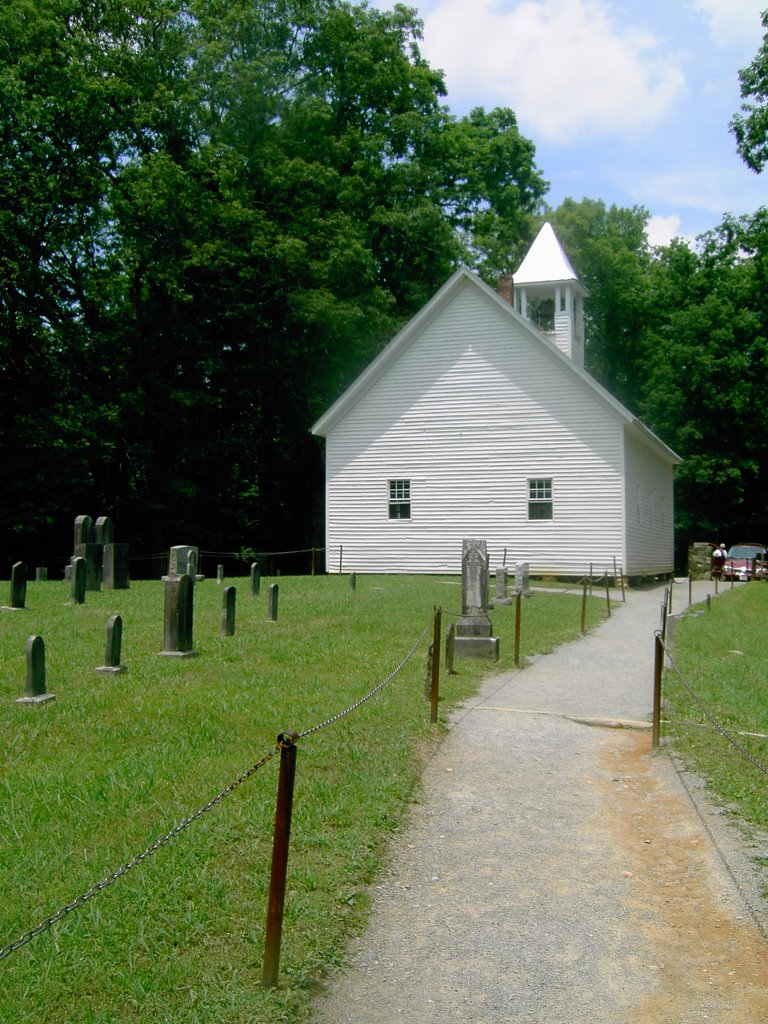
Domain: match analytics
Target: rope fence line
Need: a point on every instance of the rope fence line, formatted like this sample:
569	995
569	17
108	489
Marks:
284	741
708	714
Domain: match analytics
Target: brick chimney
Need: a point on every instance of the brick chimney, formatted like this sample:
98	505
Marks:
505	287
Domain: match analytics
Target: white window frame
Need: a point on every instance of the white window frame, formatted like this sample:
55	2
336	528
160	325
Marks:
399	489
540	495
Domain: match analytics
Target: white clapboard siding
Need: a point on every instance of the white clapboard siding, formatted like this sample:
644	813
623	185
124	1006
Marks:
472	407
649	511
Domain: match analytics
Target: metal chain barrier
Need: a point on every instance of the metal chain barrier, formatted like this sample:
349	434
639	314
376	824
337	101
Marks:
135	861
367	697
710	717
110	879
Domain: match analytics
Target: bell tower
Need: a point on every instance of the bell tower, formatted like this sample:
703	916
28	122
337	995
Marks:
548	293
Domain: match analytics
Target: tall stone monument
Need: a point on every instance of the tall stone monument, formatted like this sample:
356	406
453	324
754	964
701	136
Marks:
473	630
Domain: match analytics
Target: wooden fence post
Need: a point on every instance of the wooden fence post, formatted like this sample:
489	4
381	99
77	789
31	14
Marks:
658	663
280	845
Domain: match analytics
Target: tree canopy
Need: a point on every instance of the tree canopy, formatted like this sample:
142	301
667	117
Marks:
750	127
213	215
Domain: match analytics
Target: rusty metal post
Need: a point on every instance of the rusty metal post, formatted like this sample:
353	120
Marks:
313	561
670	590
607	596
341	556
690	589
280	845
518	601
435	666
658	662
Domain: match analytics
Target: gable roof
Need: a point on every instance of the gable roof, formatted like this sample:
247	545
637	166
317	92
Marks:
461	278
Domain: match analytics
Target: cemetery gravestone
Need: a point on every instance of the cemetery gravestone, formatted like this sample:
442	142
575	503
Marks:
115	574
473	629
36	691
273	596
228	611
179	599
18	597
255	579
523	579
104	532
78	580
85	532
501	586
114	643
183	560
92	554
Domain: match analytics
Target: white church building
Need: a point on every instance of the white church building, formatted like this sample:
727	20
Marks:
478	420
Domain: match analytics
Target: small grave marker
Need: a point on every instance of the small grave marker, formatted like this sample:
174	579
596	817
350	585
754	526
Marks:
18	597
36	691
228	611
116	567
112	664
78	580
274	594
255	579
179	600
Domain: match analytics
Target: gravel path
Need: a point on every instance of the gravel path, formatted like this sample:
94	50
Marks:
558	872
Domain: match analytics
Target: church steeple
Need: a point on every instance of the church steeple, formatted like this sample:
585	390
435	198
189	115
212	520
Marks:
548	292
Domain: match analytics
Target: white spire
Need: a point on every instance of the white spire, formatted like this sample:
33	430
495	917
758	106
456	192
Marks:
547	292
545	261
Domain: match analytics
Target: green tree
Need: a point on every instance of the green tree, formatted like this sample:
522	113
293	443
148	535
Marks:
214	214
750	127
608	247
707	364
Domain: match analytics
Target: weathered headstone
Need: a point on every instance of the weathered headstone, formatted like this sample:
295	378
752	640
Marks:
36	691
219	574
353	581
228	611
523	579
501	586
116	571
41	574
255	579
18	599
78	580
93	555
473	630
114	643
104	532
179	603
183	560
272	599
85	532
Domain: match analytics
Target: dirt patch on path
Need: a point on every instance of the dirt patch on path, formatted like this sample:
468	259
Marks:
711	960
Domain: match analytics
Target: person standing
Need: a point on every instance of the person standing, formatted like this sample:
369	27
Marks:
719	556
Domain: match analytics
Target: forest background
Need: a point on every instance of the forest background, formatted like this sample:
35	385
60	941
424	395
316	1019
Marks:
214	214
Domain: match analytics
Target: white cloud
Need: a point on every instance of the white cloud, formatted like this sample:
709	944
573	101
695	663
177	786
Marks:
567	68
733	21
661	230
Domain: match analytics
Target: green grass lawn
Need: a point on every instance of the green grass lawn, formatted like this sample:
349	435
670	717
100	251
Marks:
723	656
91	779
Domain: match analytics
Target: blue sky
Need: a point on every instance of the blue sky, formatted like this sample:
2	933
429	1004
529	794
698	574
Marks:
626	101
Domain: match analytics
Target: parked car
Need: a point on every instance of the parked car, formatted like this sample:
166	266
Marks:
746	561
